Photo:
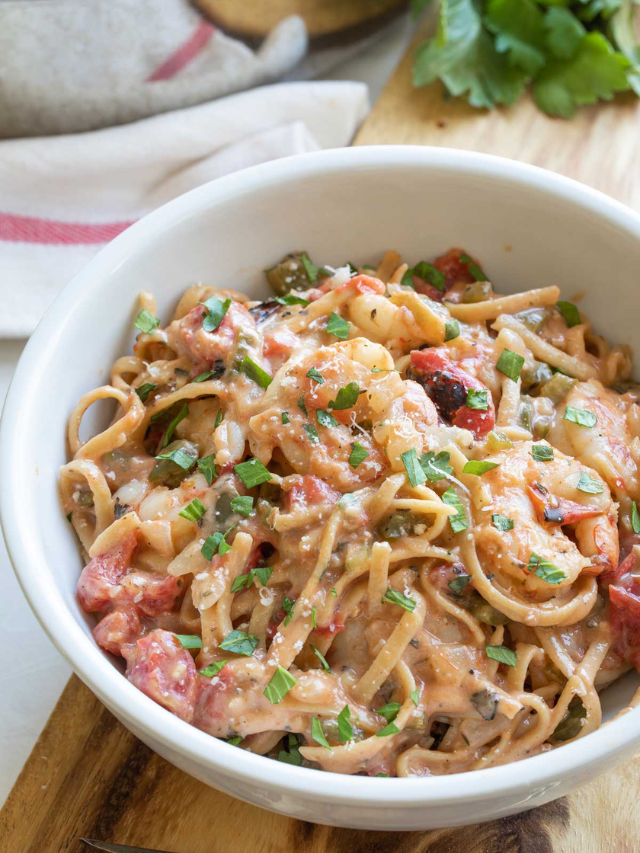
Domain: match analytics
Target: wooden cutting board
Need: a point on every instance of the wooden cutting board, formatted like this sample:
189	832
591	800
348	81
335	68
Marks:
88	776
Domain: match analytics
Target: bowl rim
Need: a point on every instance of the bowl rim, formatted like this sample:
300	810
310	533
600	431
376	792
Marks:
94	668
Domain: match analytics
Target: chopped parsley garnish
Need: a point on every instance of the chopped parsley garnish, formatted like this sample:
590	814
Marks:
312	433
502	654
301	405
293	756
451	330
287	606
310	269
179	457
473	268
458	521
427	272
202	377
218	419
291	299
240	643
459	583
345	729
358	454
263	573
542	452
213	668
207	466
189	641
144	390
317	734
243	505
477	400
635	518
168	435
414	469
193	511
326	419
415	697
254	372
314	624
281	683
570	313
389	711
392	596
501	523
216	309
211	546
146	322
580	416
346	397
321	658
234	741
252	472
545	570
436	465
314	374
589	485
333	591
285	418
478	468
338	326
510	364
389	729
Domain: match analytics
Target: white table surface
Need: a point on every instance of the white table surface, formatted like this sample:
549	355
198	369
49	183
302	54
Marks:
32	673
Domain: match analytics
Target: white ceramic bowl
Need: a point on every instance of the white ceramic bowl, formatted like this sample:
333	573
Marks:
529	228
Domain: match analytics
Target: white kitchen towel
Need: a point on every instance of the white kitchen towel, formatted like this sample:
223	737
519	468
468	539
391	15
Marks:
63	197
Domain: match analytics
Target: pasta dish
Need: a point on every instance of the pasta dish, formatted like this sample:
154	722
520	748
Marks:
382	523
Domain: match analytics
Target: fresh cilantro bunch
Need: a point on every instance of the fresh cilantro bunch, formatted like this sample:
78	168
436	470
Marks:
571	52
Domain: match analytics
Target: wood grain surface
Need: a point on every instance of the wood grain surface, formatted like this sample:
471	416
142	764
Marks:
88	776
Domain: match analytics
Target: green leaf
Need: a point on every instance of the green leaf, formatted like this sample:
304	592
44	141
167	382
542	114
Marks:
242	505
392	596
326	419
477	400
210	547
252	472
519	29
334	591
589	485
545	570
579	416
313	617
389	729
459	583
193	511
415	697
389	711
451	330
234	741
358	454
213	668
281	683
501	523
312	433
345	729
302	406
478	468
168	434
542	452
207	466
346	397
240	643
436	466
293	756
595	72
255	372
321	658
179	457
570	313
623	32
263	573
146	322
314	374
563	32
216	309
458	521
285	418
473	268
414	469
430	274
202	377
635	518
338	327
510	364
502	654
218	419
287	606
310	269
189	641
144	390
317	734
292	299
464	57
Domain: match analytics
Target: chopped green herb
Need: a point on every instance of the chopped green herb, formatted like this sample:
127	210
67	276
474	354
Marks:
291	299
358	454
146	322
179	457
314	374
254	372
338	326
382	776
193	511
389	729
202	377
252	472
451	330
207	466
240	643
285	418
326	419
477	400
242	505
213	668
389	711
312	433
321	658
69	516
459	583
234	741
510	364
473	268
281	683
346	397
310	269
407	279
545	570
293	756
498	441
458	521
635	518
436	465
570	313
392	596
168	435
317	734
287	606
478	468
414	469
501	523
313	617
345	729
216	309
542	452
589	485
430	274
210	547
580	416
415	697
502	655
263	573
144	390
189	641
333	591
218	419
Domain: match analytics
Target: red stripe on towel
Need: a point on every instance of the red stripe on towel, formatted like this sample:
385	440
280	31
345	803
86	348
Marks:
184	54
30	229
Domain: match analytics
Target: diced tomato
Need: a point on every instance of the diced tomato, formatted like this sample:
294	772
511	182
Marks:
188	336
102	573
159	667
211	703
334	627
363	284
151	594
310	491
561	511
448	386
453	268
279	343
116	629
